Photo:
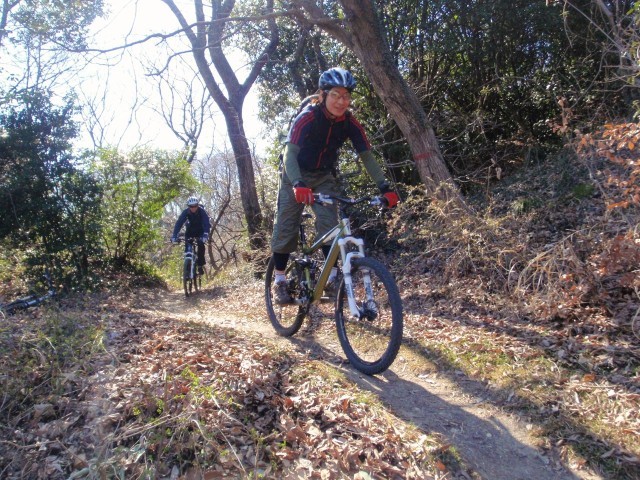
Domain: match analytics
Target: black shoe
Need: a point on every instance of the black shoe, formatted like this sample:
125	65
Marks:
280	293
200	270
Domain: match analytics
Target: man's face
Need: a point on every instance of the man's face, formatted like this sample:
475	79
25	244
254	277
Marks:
193	208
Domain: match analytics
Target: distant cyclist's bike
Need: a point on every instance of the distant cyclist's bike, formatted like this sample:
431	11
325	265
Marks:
191	279
368	307
30	300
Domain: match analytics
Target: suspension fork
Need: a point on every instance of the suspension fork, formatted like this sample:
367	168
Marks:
190	254
347	259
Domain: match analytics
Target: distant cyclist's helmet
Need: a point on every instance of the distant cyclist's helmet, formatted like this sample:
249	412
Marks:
192	201
336	77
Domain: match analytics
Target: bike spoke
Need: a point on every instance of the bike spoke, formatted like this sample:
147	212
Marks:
286	319
372	338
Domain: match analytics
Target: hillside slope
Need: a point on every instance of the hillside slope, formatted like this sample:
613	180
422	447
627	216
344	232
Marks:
521	355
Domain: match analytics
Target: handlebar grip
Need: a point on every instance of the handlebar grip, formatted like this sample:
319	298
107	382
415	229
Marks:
323	199
379	202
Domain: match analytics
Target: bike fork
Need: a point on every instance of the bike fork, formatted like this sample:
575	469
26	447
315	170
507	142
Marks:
356	311
189	256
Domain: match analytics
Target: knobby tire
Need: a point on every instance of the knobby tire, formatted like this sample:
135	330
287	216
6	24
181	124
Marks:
371	343
286	319
186	278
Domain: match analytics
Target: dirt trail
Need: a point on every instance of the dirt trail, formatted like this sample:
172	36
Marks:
494	444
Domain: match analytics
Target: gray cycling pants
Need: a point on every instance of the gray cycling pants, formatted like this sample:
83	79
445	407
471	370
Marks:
289	213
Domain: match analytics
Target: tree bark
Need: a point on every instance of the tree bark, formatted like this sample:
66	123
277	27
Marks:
361	31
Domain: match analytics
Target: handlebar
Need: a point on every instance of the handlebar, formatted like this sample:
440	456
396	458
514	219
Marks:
324	199
181	238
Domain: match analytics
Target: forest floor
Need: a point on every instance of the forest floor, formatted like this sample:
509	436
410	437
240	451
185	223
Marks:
203	388
460	412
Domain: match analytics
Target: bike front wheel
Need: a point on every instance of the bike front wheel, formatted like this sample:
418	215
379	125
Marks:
196	280
370	340
187	281
286	319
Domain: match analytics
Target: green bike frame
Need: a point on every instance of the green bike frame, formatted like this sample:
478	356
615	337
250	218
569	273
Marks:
340	237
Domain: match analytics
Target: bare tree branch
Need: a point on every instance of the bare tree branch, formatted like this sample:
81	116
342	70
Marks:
206	38
184	109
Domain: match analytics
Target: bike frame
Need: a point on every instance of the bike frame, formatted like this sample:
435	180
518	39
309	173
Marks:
340	237
30	300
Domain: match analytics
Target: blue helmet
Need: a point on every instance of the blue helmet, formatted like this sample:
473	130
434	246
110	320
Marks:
192	201
336	77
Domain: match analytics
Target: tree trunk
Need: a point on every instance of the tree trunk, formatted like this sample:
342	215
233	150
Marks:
246	178
361	31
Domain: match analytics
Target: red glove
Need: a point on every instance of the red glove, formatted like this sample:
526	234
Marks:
303	193
391	198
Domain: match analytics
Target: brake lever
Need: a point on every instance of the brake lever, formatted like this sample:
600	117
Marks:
323	199
379	202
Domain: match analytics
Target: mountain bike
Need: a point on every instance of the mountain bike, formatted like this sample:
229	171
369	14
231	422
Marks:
191	279
30	300
368	307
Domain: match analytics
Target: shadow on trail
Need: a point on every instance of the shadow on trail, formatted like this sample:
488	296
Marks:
485	444
557	423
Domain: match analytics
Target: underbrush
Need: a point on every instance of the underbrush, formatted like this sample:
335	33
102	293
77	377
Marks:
45	354
171	266
11	272
569	253
538	294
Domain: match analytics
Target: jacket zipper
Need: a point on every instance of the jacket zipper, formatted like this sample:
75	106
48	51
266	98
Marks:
326	144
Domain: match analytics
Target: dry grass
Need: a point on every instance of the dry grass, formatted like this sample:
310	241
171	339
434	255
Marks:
537	294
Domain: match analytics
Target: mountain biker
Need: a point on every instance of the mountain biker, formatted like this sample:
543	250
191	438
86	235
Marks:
198	226
310	158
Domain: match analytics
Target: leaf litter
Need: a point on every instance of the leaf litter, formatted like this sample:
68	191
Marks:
177	399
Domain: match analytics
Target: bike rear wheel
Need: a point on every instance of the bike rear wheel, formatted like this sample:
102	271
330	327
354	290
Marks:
286	319
187	281
372	341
